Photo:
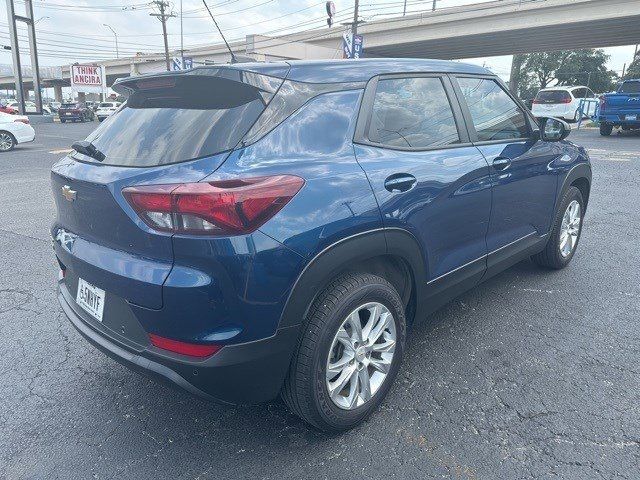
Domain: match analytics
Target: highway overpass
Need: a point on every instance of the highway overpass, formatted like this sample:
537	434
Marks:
484	29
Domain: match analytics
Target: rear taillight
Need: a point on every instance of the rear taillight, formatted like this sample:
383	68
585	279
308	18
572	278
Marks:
22	120
566	100
220	208
191	349
534	102
603	102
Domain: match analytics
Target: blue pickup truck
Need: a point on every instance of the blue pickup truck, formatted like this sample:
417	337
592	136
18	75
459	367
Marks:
620	109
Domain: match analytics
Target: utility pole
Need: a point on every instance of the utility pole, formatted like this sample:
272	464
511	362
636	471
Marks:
434	6
15	53
163	16
354	27
181	37
516	71
35	67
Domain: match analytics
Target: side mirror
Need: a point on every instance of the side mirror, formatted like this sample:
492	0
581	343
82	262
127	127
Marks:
553	129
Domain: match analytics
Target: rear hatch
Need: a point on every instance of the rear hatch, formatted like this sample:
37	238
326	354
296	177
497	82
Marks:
173	128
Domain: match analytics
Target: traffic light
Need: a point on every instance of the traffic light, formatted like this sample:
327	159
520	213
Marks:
331	11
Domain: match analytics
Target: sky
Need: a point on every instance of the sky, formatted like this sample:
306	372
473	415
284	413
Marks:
74	30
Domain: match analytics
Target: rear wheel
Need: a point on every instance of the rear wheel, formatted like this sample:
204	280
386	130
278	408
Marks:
7	141
62	120
606	129
349	353
565	234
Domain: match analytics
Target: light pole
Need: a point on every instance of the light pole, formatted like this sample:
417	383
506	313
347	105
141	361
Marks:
115	35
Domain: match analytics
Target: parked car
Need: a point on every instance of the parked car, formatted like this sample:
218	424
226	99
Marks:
30	107
105	109
14	129
75	112
620	109
5	108
286	222
561	102
53	106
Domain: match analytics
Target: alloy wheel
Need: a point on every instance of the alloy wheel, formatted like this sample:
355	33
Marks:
6	142
361	355
570	228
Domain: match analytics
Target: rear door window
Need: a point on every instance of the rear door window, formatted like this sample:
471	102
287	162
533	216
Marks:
495	115
172	119
630	87
412	113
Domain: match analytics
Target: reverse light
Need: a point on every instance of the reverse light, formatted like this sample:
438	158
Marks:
220	208
191	349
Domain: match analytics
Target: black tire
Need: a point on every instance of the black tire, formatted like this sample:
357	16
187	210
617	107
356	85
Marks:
551	257
10	139
305	391
62	120
606	129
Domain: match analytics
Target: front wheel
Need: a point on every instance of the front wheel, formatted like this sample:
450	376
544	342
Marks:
564	237
349	353
7	142
606	129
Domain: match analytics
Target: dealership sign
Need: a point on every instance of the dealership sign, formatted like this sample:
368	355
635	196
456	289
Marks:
88	78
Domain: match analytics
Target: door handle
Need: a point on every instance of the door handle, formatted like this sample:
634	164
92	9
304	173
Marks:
400	182
501	163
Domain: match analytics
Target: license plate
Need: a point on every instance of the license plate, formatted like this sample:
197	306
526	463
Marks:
90	298
632	118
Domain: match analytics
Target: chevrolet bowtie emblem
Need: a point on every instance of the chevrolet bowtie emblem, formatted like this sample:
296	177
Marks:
69	194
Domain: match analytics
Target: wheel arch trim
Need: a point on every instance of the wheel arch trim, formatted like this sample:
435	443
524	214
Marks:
577	172
334	258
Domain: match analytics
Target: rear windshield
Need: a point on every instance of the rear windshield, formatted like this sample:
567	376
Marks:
173	119
630	87
69	105
108	105
552	96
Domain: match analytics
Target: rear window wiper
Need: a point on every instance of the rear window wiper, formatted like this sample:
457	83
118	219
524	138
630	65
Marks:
88	149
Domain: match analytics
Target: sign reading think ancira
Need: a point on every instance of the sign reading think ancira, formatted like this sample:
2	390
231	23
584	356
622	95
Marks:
87	78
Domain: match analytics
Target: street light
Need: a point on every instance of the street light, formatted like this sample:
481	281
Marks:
115	35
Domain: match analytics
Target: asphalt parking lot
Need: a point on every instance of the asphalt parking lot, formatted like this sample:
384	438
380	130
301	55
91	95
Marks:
533	374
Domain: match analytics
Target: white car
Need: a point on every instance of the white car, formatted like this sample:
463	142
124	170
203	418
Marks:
105	109
563	102
14	129
30	107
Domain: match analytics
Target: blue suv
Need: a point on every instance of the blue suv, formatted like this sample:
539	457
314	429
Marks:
255	230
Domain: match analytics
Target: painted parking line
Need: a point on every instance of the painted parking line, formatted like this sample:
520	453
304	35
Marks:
610	156
63	150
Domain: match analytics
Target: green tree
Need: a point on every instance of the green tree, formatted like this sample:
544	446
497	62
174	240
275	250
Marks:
634	69
583	67
568	67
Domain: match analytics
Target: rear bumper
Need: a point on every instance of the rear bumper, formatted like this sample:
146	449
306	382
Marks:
619	120
561	112
247	373
26	136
